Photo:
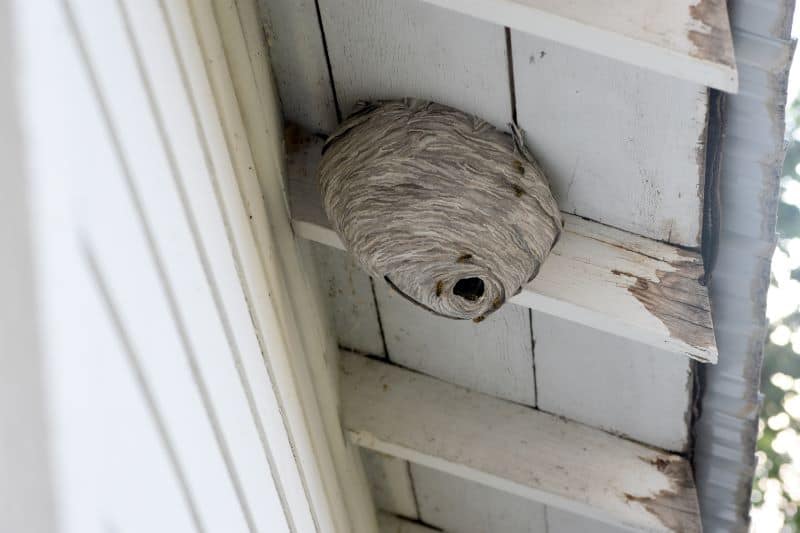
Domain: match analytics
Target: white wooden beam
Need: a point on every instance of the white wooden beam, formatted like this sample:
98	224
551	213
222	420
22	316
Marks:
515	449
596	275
688	39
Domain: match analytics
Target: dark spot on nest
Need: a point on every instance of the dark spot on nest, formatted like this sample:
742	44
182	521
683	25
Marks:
518	166
518	191
497	303
464	258
479	319
439	287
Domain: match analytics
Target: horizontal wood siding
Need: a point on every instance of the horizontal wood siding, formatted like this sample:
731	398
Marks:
172	400
688	39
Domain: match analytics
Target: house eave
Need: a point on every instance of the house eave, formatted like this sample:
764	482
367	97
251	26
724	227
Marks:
752	152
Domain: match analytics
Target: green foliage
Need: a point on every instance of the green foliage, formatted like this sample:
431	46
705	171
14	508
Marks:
776	490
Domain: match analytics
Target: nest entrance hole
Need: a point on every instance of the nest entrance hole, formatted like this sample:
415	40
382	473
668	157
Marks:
471	289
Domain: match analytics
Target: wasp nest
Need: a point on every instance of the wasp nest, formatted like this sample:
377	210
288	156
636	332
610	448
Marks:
453	213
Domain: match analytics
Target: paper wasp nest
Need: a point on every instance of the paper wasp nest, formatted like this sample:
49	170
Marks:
453	213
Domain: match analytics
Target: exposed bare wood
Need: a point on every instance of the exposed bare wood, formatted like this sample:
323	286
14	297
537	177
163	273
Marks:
688	39
515	449
596	275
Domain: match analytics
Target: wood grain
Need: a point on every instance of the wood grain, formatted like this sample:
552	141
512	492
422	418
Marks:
515	449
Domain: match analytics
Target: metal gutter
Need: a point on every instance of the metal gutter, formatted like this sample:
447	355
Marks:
752	150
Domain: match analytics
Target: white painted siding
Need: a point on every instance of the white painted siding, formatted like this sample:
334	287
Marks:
172	404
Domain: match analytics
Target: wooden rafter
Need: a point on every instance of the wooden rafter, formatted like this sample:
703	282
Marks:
687	39
515	448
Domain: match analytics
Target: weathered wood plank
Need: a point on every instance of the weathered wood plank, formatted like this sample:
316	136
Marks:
688	39
620	145
494	357
515	449
383	49
611	383
596	275
390	483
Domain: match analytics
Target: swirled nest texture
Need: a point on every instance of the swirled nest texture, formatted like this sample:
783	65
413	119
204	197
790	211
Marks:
453	213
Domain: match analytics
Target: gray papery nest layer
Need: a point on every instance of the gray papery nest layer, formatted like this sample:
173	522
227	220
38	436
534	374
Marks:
455	214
